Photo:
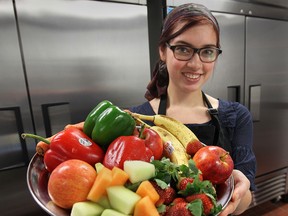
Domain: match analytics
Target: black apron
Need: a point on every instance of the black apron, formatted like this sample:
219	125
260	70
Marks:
211	133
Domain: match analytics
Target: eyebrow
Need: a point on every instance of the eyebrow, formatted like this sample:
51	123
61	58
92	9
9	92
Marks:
184	43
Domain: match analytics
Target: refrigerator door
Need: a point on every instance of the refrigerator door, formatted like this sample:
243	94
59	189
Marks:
14	107
227	82
78	53
15	118
267	90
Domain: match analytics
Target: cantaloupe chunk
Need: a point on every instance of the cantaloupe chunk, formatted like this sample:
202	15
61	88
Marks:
147	189
102	181
119	176
145	207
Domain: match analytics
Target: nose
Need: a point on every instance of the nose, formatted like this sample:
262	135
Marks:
195	60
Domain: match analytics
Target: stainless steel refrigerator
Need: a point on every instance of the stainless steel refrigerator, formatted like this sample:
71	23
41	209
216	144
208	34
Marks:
59	59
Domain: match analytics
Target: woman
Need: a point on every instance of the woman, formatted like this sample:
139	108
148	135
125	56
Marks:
188	48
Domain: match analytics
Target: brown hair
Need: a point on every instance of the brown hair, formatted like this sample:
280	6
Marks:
188	15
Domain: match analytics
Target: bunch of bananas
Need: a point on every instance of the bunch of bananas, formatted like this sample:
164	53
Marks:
177	138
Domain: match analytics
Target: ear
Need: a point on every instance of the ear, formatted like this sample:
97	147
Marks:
162	53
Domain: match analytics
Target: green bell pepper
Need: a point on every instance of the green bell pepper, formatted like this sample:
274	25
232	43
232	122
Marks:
93	115
108	124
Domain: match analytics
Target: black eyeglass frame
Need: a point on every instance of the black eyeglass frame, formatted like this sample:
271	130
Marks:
195	50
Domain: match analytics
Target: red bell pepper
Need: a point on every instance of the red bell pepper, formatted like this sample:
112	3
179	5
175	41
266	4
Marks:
71	143
146	147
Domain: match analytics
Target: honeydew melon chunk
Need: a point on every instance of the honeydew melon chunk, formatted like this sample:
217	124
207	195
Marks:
86	208
98	166
104	202
122	199
139	170
112	212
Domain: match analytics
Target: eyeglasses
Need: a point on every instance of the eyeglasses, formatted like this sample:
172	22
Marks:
185	53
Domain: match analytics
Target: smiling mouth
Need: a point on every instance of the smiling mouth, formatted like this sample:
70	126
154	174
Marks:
192	76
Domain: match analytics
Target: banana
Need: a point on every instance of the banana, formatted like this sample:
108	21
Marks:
175	127
172	147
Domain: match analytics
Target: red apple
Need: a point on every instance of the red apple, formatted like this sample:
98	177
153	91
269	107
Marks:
70	182
215	163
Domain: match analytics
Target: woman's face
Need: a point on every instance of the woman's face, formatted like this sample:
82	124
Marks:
189	75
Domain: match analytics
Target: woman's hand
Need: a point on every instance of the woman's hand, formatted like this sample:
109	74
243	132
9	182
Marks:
241	197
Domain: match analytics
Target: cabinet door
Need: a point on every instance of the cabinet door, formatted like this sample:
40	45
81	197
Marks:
227	81
267	90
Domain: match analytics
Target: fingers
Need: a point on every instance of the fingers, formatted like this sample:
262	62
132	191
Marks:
242	184
232	206
241	197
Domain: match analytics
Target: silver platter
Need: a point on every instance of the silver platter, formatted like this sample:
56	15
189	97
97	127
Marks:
37	180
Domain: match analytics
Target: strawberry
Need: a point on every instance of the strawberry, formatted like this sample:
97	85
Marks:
207	203
183	182
178	200
167	195
193	147
179	208
164	210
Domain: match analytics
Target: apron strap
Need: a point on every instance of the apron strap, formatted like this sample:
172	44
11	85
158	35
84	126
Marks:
163	105
212	111
221	137
214	117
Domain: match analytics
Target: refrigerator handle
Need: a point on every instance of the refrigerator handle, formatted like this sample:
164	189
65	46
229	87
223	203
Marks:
255	101
16	111
233	93
49	111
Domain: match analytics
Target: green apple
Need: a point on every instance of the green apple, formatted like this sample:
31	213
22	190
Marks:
139	170
122	199
86	208
112	212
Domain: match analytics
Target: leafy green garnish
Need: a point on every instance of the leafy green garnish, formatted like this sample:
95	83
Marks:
195	207
165	170
199	186
161	184
167	173
161	208
132	186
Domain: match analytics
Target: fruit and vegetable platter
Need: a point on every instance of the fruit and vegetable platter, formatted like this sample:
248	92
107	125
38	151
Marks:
120	163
